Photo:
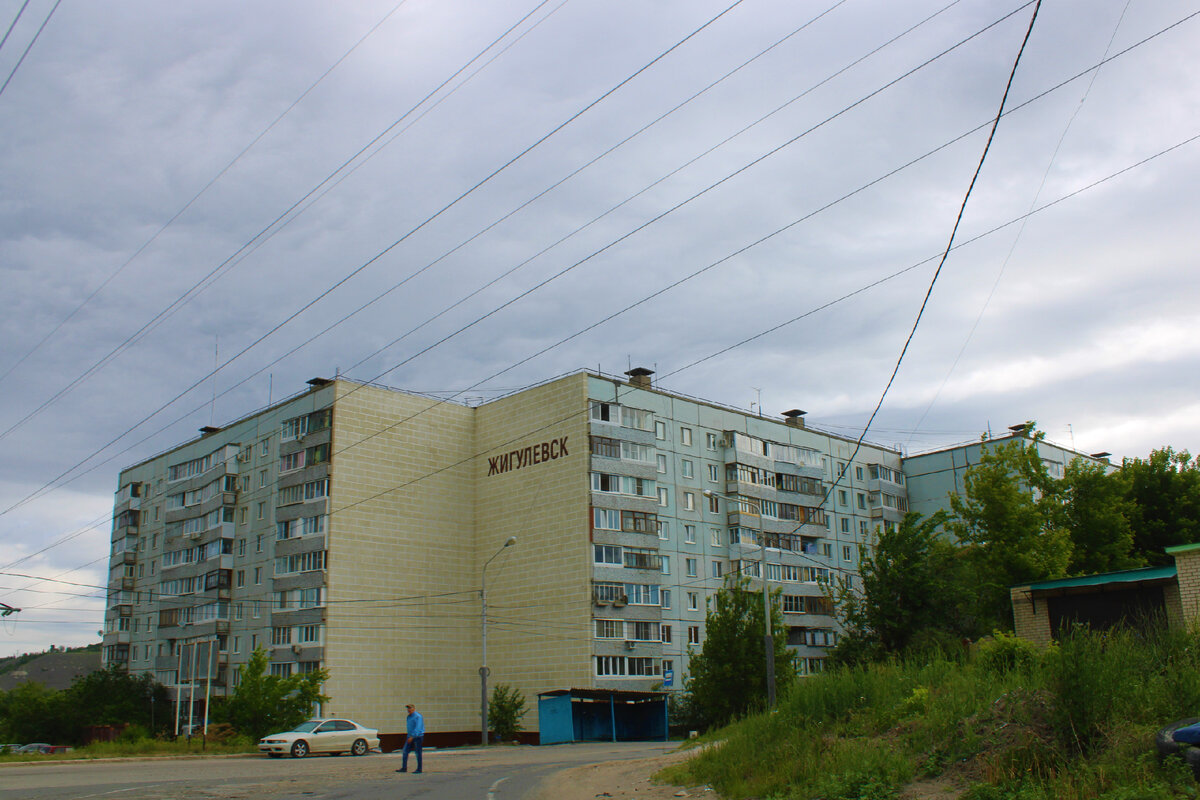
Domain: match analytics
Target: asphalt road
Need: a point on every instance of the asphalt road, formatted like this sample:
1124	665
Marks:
497	773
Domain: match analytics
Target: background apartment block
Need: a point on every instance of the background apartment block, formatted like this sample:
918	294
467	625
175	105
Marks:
347	528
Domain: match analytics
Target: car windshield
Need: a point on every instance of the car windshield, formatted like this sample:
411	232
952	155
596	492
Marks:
305	727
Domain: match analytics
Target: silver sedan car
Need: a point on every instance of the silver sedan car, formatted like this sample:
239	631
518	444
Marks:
333	736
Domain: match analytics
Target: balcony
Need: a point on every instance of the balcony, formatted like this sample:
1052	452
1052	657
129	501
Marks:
643	561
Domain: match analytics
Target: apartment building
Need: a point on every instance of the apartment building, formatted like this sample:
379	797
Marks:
348	527
932	477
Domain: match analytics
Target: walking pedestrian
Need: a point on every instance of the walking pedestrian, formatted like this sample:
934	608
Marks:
415	738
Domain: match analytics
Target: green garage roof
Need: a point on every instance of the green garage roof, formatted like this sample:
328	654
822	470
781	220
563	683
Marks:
1126	576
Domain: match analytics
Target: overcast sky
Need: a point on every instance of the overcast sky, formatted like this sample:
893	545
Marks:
178	180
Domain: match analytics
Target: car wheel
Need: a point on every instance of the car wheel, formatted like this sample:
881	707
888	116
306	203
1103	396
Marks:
359	748
299	749
1163	741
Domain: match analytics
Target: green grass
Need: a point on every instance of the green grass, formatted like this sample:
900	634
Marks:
1073	723
137	748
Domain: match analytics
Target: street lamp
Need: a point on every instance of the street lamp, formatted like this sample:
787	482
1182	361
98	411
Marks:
483	669
768	638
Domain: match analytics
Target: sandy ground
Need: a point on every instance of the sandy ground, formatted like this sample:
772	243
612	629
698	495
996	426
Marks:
619	780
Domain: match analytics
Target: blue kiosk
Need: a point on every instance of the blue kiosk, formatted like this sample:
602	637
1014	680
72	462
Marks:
602	715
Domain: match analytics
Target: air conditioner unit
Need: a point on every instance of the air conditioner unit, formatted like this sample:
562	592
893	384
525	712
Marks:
598	600
296	649
243	457
620	601
629	645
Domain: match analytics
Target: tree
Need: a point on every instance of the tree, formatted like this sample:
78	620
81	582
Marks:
263	703
1165	491
1009	519
728	677
505	710
1096	511
910	586
114	697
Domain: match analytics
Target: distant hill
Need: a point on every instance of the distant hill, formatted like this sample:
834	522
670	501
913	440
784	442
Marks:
54	669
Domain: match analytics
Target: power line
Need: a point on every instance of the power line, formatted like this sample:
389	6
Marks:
203	190
182	300
383	252
32	41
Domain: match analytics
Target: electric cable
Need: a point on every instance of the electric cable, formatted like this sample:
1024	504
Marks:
203	190
180	301
28	47
13	24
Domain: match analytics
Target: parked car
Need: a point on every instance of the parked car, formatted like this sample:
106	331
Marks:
8	748
42	747
333	736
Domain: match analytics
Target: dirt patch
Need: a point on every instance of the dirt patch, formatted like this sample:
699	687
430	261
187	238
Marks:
619	780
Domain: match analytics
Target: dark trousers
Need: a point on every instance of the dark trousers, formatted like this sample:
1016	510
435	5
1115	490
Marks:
413	743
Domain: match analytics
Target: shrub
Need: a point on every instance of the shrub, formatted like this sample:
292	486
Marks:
1006	652
505	710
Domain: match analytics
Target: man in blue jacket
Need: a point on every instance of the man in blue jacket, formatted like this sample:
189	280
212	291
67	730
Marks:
416	737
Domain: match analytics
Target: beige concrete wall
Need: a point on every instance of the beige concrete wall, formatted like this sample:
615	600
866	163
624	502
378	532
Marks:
414	514
1032	619
539	590
400	575
1187	568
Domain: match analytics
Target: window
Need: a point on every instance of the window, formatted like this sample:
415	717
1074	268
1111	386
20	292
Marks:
282	669
693	601
715	570
606	447
660	431
610	629
862	527
300	562
258	544
843	498
662	496
643	632
666	565
257	576
689	534
603	412
689	501
714	504
644	667
710	441
610	665
289	462
262	478
262	510
845	524
662	462
714	473
665	597
264	448
860	500
281	636
774	572
858	473
608	554
685	437
845	552
308	634
690	565
715	538
602	482
664	529
606	519
241	578
237	644
827	550
688	469
693	634
665	631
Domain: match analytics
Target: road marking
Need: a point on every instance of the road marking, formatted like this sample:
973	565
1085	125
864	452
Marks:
492	788
119	791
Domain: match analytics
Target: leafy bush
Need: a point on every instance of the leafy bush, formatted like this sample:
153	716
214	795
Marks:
1005	652
505	710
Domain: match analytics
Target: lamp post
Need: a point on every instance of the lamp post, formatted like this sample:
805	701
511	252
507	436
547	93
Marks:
768	638
483	669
